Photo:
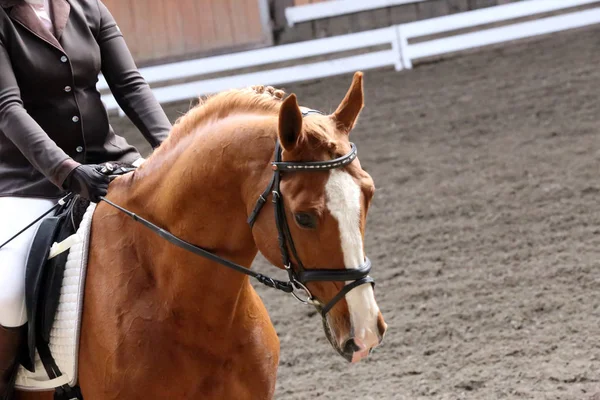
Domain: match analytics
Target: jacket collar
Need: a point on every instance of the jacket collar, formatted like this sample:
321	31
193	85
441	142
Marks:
22	13
60	15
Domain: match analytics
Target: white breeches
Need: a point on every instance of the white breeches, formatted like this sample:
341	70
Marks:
15	214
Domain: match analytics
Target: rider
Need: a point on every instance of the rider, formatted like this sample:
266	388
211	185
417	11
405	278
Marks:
54	129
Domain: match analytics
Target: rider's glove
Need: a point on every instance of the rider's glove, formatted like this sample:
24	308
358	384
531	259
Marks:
88	181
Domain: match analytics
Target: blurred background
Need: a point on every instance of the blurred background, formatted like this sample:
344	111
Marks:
481	132
167	30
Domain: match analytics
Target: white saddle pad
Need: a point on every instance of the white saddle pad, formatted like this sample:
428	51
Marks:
64	337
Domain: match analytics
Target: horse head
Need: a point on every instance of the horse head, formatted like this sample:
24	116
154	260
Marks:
327	214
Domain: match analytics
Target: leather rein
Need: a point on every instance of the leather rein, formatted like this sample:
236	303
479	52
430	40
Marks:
298	276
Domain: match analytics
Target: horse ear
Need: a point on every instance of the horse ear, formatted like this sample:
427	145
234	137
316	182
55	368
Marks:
348	110
290	123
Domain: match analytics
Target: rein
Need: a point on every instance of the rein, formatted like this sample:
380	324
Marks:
298	276
265	280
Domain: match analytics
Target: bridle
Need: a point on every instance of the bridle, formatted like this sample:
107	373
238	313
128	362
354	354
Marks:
298	276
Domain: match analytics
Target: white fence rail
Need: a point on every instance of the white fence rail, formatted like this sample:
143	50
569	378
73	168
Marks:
490	15
400	54
501	34
270	55
334	8
278	76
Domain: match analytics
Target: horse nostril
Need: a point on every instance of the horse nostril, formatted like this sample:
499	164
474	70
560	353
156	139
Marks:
353	345
350	347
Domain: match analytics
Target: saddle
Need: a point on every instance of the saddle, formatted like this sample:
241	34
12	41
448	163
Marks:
45	270
43	282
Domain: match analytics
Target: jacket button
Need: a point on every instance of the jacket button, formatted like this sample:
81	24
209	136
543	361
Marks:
75	118
64	59
67	89
79	149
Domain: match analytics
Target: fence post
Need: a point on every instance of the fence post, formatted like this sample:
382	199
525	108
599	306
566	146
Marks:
396	48
401	46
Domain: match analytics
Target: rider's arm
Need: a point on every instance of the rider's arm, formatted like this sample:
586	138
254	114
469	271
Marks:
128	86
18	126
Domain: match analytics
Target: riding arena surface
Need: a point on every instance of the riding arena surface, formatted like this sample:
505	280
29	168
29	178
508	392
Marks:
484	231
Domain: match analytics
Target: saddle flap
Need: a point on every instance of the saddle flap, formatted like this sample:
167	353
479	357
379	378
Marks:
40	248
44	278
52	281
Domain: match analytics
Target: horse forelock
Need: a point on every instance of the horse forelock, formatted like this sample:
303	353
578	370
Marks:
318	132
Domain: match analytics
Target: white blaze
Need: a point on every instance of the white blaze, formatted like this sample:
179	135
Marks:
344	204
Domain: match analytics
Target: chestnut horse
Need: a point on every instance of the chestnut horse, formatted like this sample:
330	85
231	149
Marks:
162	323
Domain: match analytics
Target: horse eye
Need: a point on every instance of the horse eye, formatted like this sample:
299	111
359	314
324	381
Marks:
306	220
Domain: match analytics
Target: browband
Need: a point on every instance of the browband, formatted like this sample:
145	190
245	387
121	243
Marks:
309	111
322	165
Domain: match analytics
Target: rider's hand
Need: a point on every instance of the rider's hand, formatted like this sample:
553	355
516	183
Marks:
88	182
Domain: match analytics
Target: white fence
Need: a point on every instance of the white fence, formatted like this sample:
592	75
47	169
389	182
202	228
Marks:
400	54
269	55
334	8
486	37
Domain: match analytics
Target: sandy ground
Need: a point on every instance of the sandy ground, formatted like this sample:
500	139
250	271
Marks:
484	233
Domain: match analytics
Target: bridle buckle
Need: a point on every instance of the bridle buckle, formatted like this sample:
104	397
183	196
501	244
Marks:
276	196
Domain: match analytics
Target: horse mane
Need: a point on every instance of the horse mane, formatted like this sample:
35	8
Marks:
252	100
223	104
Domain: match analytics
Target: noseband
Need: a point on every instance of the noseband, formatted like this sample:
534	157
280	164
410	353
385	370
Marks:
298	276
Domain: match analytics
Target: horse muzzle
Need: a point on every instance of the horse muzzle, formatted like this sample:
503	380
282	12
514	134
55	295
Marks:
360	347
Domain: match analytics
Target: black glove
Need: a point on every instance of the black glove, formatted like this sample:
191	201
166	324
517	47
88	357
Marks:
88	181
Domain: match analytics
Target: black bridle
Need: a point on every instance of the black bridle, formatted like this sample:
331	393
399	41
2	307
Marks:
298	276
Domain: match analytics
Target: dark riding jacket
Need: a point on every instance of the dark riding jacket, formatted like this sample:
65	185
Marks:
52	118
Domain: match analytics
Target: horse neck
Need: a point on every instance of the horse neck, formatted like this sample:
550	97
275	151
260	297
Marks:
201	194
